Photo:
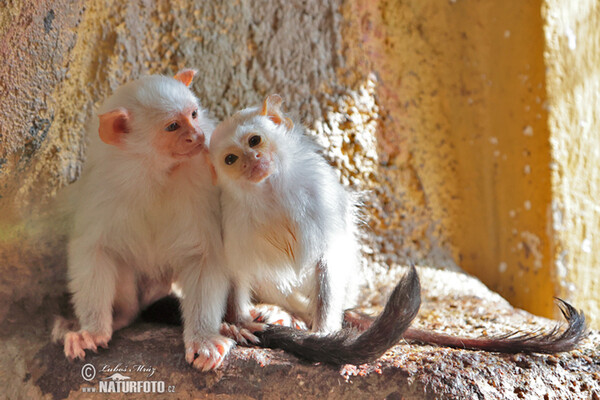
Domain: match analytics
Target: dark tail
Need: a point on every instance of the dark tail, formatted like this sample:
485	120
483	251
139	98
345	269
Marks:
349	346
553	341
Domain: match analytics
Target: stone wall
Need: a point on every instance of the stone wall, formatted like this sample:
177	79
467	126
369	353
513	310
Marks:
436	109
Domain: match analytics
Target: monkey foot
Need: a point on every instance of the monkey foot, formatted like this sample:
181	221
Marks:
207	353
357	320
242	334
270	314
77	342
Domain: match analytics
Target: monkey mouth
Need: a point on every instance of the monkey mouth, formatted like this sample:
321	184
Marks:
259	171
190	153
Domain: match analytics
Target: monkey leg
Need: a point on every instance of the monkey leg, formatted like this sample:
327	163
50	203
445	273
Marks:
92	276
328	301
204	291
239	323
126	305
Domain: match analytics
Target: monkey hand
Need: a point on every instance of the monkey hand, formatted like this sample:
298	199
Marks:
242	333
207	353
77	342
273	315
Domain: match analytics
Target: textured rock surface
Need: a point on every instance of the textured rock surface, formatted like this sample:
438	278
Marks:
30	367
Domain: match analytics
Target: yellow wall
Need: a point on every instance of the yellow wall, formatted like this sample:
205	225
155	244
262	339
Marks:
489	133
499	129
463	87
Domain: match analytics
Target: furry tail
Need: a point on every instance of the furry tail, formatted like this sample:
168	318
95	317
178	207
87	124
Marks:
553	341
349	346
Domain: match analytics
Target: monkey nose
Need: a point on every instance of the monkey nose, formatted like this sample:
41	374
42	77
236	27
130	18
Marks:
195	138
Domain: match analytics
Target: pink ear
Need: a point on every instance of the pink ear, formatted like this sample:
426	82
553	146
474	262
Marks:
113	126
186	76
272	109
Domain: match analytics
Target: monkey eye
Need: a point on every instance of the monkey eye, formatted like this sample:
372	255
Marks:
230	159
172	127
195	114
254	141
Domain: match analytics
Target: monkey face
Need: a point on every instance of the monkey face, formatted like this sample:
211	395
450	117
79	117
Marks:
251	159
245	146
156	117
181	136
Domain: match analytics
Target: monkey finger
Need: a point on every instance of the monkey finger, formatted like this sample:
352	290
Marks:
210	352
218	357
200	363
68	347
77	351
190	354
211	363
274	315
72	347
222	350
255	327
81	354
249	337
230	331
299	325
70	355
239	337
88	341
206	358
223	345
217	363
225	329
102	341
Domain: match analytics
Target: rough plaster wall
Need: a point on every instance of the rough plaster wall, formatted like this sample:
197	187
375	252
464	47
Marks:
433	109
499	131
573	58
63	57
463	128
34	47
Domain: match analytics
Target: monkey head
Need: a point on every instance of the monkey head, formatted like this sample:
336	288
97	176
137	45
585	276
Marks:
156	116
244	148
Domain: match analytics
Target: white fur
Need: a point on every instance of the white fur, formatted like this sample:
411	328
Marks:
305	191
143	221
